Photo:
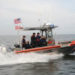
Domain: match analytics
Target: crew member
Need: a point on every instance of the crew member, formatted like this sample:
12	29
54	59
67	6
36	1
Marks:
38	39
43	41
27	45
23	41
33	40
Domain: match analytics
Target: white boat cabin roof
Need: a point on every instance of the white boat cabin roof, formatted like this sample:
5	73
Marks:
43	28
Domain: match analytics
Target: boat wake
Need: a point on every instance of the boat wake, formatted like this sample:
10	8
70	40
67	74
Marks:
9	58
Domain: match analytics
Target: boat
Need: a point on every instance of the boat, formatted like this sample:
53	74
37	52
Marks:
66	47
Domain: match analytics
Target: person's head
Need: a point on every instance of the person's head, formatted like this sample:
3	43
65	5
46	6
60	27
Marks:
43	37
38	34
24	36
34	34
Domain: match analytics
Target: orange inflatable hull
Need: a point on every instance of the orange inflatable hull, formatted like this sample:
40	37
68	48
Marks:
72	43
37	49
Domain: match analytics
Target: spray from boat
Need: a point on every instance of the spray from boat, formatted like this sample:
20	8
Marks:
10	58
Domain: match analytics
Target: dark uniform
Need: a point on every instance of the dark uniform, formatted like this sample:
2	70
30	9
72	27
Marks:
23	42
43	42
38	40
28	46
33	41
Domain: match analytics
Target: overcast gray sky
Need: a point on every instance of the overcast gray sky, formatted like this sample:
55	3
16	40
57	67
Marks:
58	12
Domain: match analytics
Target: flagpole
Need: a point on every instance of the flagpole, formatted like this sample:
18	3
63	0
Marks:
20	35
17	22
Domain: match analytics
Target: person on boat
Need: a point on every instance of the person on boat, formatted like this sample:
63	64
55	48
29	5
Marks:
38	39
33	40
50	42
43	41
27	46
23	41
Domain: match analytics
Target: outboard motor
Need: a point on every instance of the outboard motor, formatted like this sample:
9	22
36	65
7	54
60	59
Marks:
17	46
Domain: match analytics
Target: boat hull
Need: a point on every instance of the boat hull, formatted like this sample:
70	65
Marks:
37	49
67	50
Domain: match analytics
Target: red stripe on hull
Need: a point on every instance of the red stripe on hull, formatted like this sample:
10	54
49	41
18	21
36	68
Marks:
38	49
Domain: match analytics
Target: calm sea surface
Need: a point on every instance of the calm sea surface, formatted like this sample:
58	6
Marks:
33	63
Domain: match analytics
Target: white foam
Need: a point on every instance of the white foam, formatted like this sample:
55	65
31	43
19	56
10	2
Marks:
8	58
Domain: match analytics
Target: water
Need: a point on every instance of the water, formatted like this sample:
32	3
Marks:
33	63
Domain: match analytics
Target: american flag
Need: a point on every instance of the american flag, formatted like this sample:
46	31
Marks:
18	27
17	21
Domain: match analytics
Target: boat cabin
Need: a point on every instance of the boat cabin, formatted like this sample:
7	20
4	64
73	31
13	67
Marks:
45	30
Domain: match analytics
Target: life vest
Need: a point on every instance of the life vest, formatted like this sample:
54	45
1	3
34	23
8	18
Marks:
50	42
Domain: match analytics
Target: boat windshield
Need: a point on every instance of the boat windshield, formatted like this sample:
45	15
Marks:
49	34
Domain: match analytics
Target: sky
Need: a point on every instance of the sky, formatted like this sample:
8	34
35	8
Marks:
58	12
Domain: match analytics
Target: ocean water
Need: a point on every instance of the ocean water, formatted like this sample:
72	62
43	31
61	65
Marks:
34	63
